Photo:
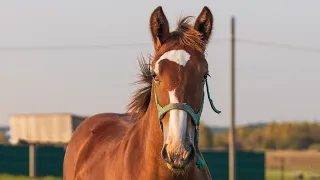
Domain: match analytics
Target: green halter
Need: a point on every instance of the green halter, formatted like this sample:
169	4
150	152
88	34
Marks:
194	116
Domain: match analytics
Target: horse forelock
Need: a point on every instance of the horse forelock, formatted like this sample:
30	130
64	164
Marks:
187	36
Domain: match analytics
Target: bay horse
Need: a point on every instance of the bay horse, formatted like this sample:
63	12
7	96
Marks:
158	137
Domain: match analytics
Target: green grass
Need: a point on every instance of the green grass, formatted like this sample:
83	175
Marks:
276	174
288	175
11	177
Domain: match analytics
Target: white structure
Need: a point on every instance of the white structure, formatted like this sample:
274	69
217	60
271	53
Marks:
43	128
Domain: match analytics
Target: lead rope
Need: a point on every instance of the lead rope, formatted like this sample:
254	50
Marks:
200	161
210	100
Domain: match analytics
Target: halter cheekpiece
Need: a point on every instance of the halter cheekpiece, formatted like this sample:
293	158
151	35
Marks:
194	116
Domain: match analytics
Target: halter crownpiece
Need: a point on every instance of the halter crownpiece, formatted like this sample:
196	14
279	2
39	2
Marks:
194	116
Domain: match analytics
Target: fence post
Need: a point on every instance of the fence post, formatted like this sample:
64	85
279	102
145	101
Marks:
32	160
282	161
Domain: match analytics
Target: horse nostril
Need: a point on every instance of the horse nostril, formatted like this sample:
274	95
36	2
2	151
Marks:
164	154
178	160
190	156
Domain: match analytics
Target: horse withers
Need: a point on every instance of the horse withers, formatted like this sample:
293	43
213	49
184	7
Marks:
158	137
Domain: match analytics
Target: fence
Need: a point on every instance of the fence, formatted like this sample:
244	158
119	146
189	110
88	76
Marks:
49	162
15	160
249	165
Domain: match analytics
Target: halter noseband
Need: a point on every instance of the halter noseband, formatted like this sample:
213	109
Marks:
194	116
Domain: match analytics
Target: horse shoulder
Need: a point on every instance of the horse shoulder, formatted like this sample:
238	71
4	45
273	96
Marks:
99	135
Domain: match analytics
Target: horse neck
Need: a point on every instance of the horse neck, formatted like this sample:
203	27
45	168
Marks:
151	134
152	131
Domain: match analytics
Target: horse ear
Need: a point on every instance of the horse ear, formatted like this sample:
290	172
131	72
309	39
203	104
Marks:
204	23
159	27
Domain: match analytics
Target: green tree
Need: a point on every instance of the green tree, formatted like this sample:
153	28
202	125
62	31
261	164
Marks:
220	141
314	147
289	135
205	137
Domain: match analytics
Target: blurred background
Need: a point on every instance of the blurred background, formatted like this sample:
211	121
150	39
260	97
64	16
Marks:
62	61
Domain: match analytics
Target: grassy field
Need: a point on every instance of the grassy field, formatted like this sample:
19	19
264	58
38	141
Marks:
276	175
272	174
10	177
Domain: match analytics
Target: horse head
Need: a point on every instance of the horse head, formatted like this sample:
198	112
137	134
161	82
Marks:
179	72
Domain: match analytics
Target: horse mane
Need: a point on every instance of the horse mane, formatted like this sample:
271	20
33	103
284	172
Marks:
186	35
141	97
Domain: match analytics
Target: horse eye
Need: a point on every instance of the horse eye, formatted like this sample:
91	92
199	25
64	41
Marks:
155	77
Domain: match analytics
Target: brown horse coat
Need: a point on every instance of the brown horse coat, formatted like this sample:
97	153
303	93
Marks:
112	146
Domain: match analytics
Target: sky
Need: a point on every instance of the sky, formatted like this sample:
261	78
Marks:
42	72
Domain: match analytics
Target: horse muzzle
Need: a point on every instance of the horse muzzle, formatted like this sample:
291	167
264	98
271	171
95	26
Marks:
178	159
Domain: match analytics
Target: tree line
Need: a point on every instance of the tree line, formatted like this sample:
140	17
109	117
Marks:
273	136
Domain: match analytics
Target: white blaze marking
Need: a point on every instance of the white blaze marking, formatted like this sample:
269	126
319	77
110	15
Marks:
180	57
177	121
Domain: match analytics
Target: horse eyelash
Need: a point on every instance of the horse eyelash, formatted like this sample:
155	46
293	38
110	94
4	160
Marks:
153	74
